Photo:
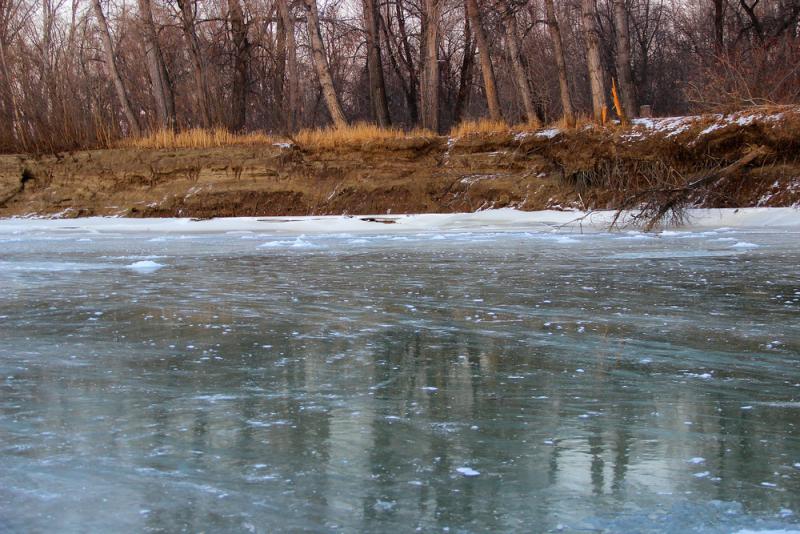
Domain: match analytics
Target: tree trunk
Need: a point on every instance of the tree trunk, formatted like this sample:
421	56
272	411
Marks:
159	78
321	66
594	64
413	81
17	127
429	90
377	85
624	75
113	73
558	51
465	81
489	81
750	9
279	79
523	87
241	51
46	45
290	89
187	8
719	25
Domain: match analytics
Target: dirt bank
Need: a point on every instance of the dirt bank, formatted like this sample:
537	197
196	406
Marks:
720	161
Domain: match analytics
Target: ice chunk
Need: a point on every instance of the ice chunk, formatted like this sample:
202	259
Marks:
468	471
145	266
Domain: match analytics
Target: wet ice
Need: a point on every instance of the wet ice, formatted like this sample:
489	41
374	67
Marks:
471	381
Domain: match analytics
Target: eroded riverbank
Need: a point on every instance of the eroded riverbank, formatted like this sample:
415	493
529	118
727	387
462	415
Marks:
735	160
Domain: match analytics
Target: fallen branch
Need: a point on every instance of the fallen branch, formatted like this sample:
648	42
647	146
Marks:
656	204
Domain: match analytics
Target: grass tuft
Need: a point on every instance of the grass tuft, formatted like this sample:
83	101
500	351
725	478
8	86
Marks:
355	134
196	138
481	126
581	121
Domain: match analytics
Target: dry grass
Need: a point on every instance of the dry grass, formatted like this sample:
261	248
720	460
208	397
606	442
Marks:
480	126
196	138
529	126
581	121
355	134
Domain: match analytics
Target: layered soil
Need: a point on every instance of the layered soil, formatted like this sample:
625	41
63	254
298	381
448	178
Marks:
586	168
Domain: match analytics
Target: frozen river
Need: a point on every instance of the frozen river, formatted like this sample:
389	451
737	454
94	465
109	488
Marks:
477	381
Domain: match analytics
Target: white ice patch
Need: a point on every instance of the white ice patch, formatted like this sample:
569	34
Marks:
468	471
145	266
744	244
635	235
783	404
215	398
299	242
52	266
702	376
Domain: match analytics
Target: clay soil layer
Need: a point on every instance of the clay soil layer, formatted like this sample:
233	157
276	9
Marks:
585	168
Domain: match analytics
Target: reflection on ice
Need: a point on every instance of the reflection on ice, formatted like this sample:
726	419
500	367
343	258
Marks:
481	381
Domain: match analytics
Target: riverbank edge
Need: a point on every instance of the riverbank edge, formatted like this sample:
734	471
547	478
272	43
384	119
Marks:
746	159
498	220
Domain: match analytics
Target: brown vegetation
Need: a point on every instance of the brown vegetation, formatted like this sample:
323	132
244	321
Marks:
724	161
354	136
195	138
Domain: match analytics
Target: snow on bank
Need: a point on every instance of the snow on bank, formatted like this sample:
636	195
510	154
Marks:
673	126
483	221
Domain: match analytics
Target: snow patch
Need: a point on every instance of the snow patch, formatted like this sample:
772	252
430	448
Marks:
145	266
548	133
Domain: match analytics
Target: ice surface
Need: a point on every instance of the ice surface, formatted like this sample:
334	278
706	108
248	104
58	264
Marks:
490	220
596	382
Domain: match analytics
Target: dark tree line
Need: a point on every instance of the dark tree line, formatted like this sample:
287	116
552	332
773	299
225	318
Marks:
77	73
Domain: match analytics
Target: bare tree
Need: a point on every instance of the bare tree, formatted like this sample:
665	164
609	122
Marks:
67	82
403	61
520	76
377	85
113	72
429	91
561	64
594	64
159	78
187	10
487	71
623	57
320	60
241	51
465	78
719	25
290	61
